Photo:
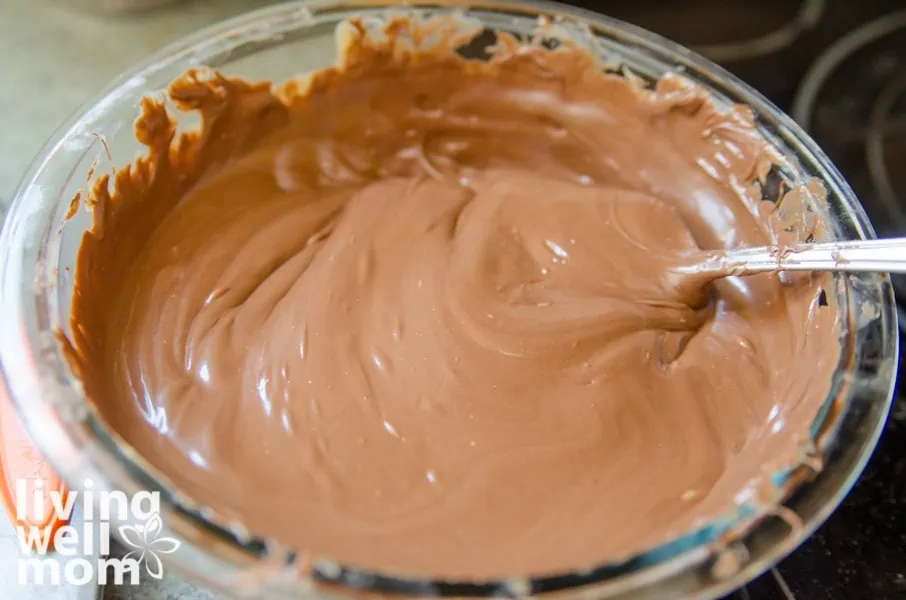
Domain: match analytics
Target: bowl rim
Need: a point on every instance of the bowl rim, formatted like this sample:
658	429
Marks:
60	393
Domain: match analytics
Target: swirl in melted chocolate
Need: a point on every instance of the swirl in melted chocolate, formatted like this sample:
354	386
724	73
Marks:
409	313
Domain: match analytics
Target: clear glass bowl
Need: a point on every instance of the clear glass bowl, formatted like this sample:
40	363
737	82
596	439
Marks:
38	247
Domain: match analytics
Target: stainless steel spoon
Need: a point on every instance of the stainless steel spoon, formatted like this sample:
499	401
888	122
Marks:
885	255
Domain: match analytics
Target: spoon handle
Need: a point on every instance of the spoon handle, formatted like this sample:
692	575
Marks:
884	255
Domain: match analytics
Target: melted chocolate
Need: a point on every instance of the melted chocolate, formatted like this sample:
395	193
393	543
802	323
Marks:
409	313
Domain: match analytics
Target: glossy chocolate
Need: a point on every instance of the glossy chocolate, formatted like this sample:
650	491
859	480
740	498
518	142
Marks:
410	313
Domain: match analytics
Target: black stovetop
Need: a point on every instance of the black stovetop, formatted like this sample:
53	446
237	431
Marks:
839	68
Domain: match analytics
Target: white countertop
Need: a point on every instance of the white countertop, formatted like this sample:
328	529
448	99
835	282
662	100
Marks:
53	59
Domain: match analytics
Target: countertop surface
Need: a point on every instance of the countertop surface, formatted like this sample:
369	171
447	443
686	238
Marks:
54	58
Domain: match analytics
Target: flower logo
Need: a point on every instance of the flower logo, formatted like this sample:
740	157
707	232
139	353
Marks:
148	544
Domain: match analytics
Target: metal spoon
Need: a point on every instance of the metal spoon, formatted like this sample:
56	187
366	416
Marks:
886	255
701	268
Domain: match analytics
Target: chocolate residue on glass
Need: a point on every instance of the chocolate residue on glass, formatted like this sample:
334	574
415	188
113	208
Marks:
409	313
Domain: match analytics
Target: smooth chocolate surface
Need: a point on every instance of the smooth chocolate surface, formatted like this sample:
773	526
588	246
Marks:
410	313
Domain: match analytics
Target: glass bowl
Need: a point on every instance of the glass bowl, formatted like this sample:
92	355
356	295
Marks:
38	246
